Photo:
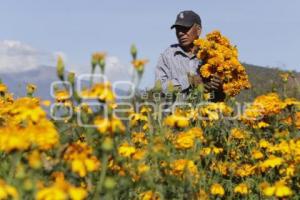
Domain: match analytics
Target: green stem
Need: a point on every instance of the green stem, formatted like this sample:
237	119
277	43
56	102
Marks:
15	161
284	90
91	79
102	177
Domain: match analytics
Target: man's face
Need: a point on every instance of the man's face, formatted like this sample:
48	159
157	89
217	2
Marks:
187	35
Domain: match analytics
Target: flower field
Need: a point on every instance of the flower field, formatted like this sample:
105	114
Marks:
135	149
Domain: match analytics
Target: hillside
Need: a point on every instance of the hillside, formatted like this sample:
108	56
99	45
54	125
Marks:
43	76
265	79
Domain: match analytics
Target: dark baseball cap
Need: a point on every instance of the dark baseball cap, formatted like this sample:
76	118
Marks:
187	18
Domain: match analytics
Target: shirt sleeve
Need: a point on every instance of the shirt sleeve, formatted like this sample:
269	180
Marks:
162	72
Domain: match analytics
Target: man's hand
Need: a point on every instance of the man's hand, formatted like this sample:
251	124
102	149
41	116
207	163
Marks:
215	84
215	88
195	80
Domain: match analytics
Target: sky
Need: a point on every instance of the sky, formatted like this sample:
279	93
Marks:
34	32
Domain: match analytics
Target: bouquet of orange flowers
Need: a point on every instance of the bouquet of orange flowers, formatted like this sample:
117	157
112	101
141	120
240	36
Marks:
221	58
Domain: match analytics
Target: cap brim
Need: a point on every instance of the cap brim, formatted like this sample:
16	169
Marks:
179	24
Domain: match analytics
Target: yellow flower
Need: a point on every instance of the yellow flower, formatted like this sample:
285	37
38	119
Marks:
217	189
101	91
139	154
209	150
13	138
263	107
245	170
62	95
109	126
269	190
241	189
221	58
149	195
220	167
214	112
217	150
197	132
291	102
279	190
3	88
23	109
79	156
143	168
202	195
137	119
264	144
207	70
77	193
7	191
145	110
126	150
46	103
61	189
178	167
139	138
25	125
256	154
176	121
271	162
139	64
43	134
282	190
205	151
184	141
238	134
289	120
261	125
290	170
34	159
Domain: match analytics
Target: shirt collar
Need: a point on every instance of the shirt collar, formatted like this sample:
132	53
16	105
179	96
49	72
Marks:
179	50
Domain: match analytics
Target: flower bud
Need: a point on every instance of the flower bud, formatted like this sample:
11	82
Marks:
170	87
20	172
94	61
110	183
60	67
158	86
133	51
30	89
98	58
200	88
107	144
28	185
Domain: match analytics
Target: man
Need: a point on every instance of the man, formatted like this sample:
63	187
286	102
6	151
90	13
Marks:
179	60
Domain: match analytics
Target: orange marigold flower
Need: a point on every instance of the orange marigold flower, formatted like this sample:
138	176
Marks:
139	64
221	58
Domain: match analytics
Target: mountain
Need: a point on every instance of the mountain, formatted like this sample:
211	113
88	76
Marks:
42	77
266	79
263	80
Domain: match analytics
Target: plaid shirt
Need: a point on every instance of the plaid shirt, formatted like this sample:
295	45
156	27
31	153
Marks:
174	65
